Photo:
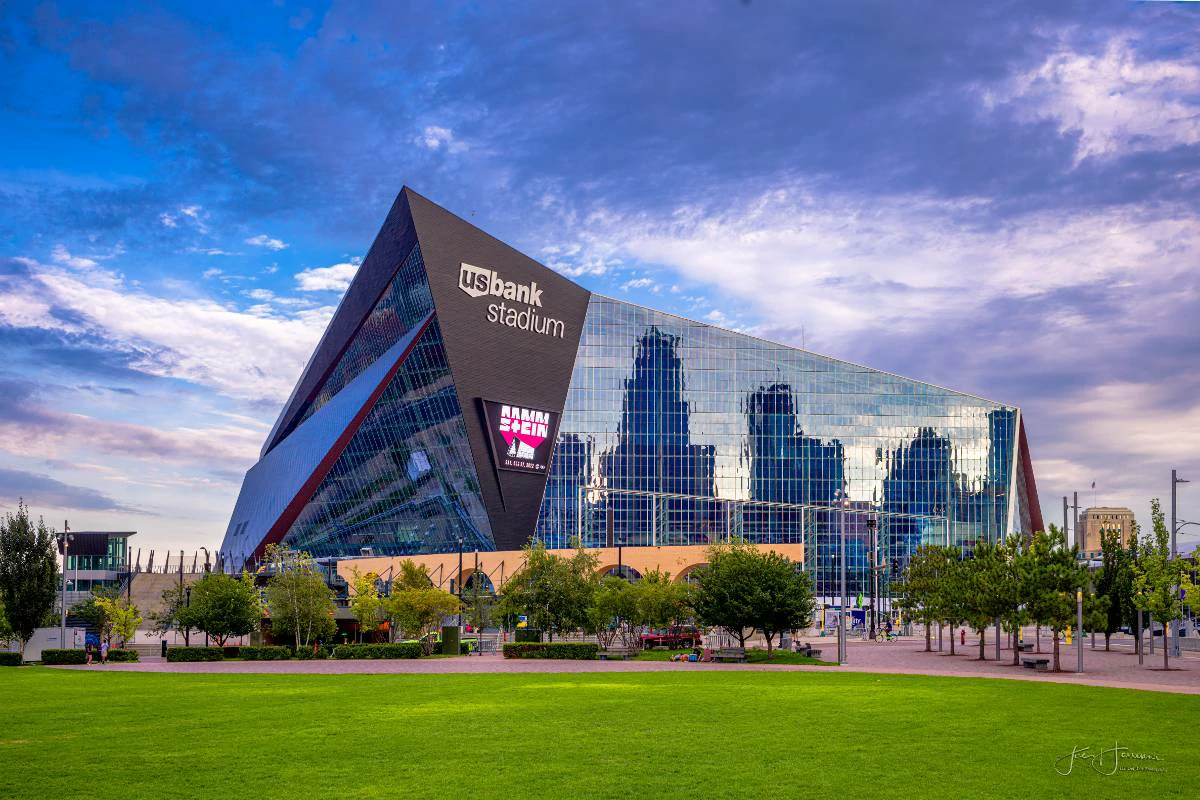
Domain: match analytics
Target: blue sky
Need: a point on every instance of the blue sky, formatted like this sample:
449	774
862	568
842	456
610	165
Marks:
999	198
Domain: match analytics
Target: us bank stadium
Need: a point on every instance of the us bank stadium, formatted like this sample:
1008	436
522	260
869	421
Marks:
465	398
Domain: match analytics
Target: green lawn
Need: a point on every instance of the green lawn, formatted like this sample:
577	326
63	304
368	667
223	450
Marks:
66	734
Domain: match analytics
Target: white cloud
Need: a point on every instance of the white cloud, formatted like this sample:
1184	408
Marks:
636	283
262	240
326	279
61	255
197	215
168	220
844	265
1114	101
212	272
263	295
435	137
240	354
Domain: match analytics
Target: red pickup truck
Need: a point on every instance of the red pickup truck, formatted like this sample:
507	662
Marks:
675	639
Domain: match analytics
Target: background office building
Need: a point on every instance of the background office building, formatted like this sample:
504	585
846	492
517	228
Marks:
1093	521
467	398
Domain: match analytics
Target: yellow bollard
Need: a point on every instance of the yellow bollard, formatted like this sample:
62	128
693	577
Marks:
1068	636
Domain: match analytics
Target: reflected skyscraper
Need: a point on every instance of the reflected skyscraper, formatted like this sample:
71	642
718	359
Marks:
654	464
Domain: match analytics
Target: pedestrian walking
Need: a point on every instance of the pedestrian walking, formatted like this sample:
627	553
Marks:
104	652
962	637
88	649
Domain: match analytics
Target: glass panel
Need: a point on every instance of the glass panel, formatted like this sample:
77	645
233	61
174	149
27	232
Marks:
406	483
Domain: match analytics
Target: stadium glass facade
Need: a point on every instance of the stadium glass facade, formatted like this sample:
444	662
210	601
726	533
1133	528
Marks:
669	432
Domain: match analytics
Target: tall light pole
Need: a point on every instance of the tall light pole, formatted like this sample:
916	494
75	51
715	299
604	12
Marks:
845	601
1175	481
872	564
62	628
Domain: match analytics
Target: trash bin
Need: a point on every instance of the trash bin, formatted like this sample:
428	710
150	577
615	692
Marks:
164	648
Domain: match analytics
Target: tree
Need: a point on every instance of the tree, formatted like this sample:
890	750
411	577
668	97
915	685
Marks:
555	593
418	611
614	613
299	602
119	618
172	616
952	588
223	606
91	611
28	573
366	603
660	602
1159	581
1114	584
989	589
744	590
917	588
6	632
1054	575
784	599
725	586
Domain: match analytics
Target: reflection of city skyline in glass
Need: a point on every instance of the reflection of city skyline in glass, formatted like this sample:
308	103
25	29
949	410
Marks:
676	432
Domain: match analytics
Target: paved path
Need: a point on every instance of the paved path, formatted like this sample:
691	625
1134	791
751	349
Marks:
905	656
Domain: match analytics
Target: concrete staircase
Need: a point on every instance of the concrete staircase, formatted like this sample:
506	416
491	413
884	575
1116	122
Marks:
147	588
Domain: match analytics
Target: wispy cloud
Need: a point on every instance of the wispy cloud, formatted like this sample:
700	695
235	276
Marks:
262	240
1115	102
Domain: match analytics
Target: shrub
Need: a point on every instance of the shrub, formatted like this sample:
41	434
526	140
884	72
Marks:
528	635
54	656
306	653
121	655
402	650
232	651
180	654
576	651
10	659
268	652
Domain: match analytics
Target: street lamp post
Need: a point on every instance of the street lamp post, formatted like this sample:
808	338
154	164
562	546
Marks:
874	577
845	601
1175	481
62	629
460	587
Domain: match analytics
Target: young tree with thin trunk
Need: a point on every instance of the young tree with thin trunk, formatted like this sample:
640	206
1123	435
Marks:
118	618
917	589
28	573
299	602
366	604
1160	581
223	606
1114	584
418	612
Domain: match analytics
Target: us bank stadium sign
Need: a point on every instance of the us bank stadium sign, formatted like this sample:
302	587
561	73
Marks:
517	303
521	438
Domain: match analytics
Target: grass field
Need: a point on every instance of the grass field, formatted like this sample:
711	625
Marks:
66	734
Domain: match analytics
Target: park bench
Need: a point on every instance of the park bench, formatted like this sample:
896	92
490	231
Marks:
1025	648
1040	664
622	653
807	649
730	654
